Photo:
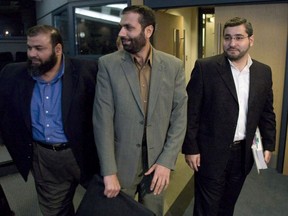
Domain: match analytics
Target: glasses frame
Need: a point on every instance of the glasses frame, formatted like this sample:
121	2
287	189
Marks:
237	38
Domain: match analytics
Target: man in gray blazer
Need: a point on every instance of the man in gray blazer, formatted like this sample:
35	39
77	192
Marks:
139	113
229	96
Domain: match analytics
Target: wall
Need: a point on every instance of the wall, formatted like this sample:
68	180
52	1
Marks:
190	18
44	9
13	46
285	167
270	23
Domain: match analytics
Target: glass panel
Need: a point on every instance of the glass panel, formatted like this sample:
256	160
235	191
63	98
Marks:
97	29
61	22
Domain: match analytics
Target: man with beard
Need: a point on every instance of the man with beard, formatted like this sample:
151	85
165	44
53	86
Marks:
229	95
139	113
46	119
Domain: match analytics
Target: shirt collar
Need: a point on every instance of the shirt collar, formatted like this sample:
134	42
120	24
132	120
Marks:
248	65
148	60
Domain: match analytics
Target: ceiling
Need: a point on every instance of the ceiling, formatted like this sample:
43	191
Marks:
9	7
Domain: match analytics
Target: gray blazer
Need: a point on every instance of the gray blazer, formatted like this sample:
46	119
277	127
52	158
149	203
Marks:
119	116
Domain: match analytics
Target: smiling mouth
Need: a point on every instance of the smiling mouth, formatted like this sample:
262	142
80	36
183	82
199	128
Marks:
125	41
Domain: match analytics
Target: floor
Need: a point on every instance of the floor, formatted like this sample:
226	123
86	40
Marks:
264	194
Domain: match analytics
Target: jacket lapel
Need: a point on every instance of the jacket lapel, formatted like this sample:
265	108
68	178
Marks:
155	82
253	85
69	82
128	67
225	72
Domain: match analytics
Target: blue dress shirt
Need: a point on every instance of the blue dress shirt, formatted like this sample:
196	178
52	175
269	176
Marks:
46	110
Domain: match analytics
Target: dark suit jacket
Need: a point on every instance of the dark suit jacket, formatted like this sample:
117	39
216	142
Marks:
213	112
16	88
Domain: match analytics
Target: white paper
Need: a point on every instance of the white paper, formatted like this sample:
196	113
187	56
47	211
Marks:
257	149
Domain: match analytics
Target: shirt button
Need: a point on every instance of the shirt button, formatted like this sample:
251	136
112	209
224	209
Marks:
47	97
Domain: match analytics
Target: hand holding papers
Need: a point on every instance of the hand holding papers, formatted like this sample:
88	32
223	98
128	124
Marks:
257	149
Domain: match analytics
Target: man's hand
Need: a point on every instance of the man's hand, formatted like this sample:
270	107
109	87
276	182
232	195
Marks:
112	186
267	156
160	179
193	161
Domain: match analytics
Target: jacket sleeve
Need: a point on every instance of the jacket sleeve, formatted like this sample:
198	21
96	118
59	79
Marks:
195	95
267	123
103	114
177	123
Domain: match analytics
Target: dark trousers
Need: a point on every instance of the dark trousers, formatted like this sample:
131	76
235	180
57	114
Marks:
217	197
56	175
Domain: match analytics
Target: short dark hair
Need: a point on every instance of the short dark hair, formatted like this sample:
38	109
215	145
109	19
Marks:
236	21
147	15
46	29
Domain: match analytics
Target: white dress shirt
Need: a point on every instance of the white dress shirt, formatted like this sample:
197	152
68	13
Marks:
242	80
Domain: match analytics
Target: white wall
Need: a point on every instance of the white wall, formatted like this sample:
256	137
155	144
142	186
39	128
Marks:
190	16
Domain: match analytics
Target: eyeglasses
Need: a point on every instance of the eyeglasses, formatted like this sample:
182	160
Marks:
237	38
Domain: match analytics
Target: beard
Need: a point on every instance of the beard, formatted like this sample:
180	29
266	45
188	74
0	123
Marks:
37	70
135	45
232	57
234	54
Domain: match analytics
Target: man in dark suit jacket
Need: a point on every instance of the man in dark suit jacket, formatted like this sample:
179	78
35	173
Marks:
229	96
46	119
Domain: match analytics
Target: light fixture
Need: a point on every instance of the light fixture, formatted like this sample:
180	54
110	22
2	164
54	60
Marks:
97	15
119	6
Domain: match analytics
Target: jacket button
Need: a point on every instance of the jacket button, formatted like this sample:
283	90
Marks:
138	145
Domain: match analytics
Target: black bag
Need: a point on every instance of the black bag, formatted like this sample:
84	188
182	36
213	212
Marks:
95	203
4	206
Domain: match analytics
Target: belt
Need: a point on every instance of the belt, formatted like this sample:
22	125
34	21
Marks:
237	143
54	147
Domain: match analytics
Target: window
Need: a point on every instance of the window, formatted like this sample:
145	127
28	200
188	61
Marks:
96	28
61	23
15	18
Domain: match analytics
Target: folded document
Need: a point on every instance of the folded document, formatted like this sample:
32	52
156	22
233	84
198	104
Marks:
257	149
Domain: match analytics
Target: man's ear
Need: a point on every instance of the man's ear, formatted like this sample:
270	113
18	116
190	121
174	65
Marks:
251	39
149	31
58	49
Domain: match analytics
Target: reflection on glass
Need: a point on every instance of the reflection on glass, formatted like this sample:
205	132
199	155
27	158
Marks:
97	29
61	23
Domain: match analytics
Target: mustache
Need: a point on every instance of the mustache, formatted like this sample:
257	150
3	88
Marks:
33	58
